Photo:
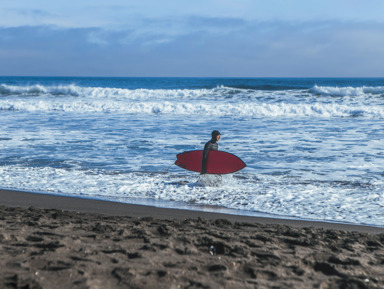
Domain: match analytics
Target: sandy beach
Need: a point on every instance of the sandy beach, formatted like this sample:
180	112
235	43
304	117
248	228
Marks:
60	242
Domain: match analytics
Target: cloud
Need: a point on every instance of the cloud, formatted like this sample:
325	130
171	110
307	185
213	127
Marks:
197	46
11	17
30	12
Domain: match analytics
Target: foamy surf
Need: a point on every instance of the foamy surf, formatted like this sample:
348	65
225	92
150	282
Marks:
347	91
313	147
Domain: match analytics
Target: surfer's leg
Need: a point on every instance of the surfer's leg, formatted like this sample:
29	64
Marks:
210	180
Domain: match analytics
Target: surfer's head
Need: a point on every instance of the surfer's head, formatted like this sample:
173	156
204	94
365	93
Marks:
216	135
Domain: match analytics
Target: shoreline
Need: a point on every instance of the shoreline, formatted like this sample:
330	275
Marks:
15	198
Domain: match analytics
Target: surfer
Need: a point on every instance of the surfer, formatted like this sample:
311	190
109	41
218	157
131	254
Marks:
210	145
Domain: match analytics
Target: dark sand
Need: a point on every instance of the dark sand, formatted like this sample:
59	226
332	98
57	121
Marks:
58	242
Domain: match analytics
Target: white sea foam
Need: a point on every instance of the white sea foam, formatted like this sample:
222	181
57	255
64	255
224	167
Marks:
145	94
110	92
273	195
239	109
347	91
219	101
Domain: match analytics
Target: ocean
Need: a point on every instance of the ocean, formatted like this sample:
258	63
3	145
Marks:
313	146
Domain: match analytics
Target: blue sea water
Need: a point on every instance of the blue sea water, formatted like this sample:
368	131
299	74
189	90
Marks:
313	146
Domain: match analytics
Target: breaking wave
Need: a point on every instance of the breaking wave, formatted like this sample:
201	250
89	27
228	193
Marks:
143	94
218	101
240	109
108	92
347	91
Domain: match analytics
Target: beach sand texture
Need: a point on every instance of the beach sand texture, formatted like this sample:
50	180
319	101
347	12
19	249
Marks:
54	248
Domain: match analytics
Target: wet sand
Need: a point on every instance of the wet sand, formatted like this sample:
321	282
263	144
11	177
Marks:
59	242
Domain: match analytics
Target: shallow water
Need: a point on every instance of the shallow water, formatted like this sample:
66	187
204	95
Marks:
313	147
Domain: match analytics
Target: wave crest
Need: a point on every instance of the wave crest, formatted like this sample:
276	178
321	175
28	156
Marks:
240	109
346	91
109	92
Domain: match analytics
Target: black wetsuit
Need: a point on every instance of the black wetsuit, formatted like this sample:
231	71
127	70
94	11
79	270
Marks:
211	145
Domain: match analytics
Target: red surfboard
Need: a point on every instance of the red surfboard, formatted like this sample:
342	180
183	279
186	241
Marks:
218	162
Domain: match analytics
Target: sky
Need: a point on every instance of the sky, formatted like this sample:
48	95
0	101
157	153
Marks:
210	38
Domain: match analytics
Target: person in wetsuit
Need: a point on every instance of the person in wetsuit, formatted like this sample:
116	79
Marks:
210	145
